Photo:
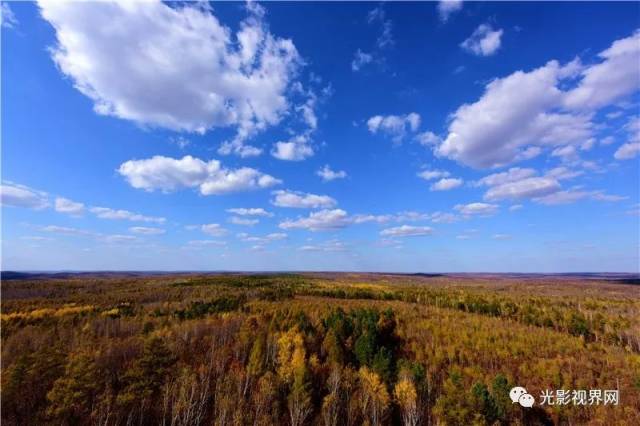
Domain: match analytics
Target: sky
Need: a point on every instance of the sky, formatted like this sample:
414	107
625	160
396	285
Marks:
398	137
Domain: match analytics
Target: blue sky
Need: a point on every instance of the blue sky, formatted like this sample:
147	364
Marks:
416	137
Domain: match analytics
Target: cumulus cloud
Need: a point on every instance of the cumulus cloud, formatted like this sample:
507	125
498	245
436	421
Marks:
275	236
433	174
428	138
64	205
322	220
385	39
302	200
406	231
501	237
143	230
16	195
446	184
360	59
296	149
511	175
501	128
627	151
64	230
170	174
484	41
394	126
479	209
532	187
631	148
616	76
447	7
243	221
327	175
205	243
7	17
184	69
250	212
213	229
524	183
108	213
327	246
118	238
563	173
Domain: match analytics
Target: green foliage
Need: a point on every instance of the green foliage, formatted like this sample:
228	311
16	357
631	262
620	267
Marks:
148	373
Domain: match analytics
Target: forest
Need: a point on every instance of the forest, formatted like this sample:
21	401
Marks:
315	349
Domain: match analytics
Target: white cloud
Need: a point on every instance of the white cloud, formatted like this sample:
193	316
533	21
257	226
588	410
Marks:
484	41
7	17
302	200
275	236
613	78
480	209
428	138
16	195
531	187
170	174
66	230
64	205
501	237
385	39
360	59
627	151
327	246
243	221
502	128
573	195
566	153
433	174
319	221
440	217
250	212
511	175
118	239
206	243
143	230
108	213
213	229
518	183
562	173
296	149
447	7
326	174
406	231
395	126
562	197
446	184
515	207
184	70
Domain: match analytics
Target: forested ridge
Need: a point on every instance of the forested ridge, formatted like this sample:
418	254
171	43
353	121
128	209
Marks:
314	349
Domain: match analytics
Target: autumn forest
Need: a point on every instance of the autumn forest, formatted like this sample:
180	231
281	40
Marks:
315	349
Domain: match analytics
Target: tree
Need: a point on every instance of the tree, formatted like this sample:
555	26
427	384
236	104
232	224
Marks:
407	399
484	404
73	395
374	396
145	379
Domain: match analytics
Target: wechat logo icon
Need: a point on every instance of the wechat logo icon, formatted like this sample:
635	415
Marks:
520	395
